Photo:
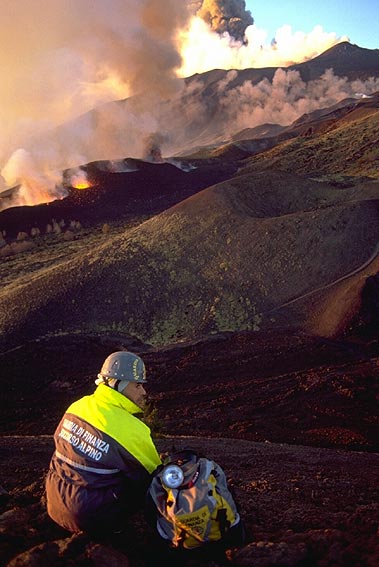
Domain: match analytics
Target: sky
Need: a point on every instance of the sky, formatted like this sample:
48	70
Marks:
357	19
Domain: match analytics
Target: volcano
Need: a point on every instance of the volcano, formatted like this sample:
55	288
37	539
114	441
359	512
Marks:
243	267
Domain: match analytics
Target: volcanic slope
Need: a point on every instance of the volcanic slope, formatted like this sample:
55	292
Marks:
247	254
341	140
341	143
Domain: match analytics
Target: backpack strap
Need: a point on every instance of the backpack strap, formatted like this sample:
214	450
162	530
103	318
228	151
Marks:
221	517
223	521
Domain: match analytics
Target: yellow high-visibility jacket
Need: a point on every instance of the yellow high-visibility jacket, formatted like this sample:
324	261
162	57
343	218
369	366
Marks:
102	462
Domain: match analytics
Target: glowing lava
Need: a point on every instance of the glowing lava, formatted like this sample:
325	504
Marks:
81	185
80	181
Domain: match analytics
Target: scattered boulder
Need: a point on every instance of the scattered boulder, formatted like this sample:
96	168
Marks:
68	236
21	236
75	225
57	229
35	231
6	250
22	246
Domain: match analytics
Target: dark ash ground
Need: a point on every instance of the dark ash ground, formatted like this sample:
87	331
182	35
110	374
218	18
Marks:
251	401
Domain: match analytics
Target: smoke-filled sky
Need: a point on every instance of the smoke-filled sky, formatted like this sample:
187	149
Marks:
60	58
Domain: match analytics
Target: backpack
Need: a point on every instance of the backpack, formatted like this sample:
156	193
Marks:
191	501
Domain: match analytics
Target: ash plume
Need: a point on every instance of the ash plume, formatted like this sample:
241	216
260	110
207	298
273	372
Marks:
285	98
226	16
203	49
153	147
61	59
37	184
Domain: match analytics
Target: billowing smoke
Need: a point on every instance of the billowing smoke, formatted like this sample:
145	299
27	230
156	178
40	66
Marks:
37	185
226	16
203	49
285	98
153	147
60	59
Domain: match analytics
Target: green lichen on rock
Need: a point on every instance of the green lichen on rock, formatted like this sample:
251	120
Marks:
236	313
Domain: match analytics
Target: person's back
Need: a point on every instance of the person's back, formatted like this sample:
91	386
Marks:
104	454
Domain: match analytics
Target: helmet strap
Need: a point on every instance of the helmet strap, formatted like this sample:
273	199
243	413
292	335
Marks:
114	386
107	382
